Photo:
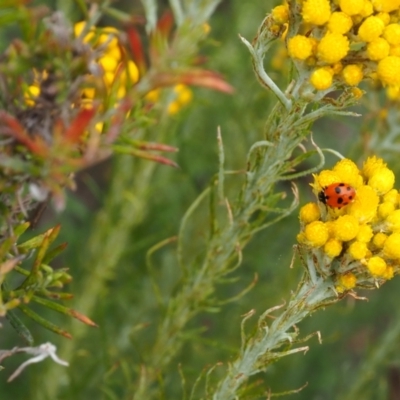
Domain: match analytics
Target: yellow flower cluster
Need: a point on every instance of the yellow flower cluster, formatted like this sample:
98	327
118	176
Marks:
346	41
118	72
358	245
179	97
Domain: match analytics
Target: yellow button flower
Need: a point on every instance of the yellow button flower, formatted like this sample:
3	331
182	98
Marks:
333	247
379	240
346	282
321	79
324	179
352	74
316	234
309	213
345	228
365	233
386	5
389	273
378	49
392	196
392	34
332	48
385	209
348	172
385	17
376	266
340	22
382	180
388	70
393	221
351	7
371	164
358	250
365	205
316	12
391	248
280	14
300	47
370	29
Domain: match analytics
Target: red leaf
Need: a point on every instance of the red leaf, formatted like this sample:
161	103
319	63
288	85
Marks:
79	125
165	23
16	130
137	49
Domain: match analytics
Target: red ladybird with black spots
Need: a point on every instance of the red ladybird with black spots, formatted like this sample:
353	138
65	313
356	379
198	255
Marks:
337	195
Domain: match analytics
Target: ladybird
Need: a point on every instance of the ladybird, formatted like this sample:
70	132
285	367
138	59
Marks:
337	195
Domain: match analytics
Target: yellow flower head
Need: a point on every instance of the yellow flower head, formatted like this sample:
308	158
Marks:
352	7
392	34
382	180
316	234
316	12
386	5
365	233
340	22
346	228
391	247
280	14
352	74
300	47
365	205
370	29
358	250
377	49
371	165
388	70
309	213
321	78
348	172
376	266
346	282
332	48
333	247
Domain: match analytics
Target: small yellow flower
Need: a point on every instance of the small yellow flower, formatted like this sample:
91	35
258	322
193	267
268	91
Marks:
280	14
346	282
379	240
385	17
365	233
333	247
348	172
309	213
393	221
385	209
382	180
345	228
316	12
367	10
386	5
372	164
388	70
321	78
316	234
376	266
351	7
358	250
391	247
389	273
324	179
370	29
392	196
378	49
392	34
365	205
300	47
332	48
340	22
352	74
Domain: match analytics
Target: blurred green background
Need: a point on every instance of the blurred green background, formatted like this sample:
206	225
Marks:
107	358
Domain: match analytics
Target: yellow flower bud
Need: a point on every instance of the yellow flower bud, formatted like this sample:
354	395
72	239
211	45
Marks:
300	47
388	70
352	74
340	22
391	248
379	240
370	29
371	164
346	282
393	221
357	250
316	234
321	79
385	209
348	173
332	48
365	205
280	14
382	180
392	196
352	7
365	233
333	248
316	12
309	213
377	49
376	266
346	228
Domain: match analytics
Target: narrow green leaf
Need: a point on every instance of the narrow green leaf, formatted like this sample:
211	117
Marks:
20	328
